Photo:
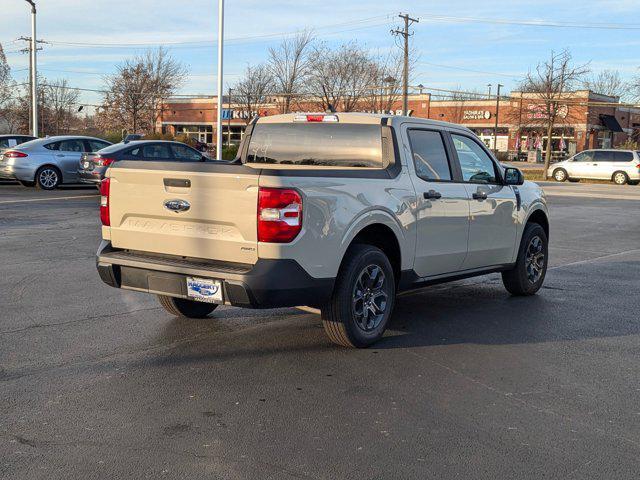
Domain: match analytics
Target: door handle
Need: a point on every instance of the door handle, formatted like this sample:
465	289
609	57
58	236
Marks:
479	196
432	195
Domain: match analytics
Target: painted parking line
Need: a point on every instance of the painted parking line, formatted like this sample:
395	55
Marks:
32	200
594	195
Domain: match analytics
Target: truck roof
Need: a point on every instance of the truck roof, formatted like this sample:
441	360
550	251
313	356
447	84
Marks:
361	118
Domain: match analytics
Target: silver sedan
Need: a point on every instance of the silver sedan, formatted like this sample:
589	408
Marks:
47	162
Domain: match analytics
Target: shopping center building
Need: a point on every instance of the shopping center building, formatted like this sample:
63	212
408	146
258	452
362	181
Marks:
584	120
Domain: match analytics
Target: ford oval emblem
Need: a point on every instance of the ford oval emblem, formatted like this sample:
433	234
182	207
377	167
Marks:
177	205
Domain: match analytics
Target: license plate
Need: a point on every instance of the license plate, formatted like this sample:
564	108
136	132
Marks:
85	165
204	290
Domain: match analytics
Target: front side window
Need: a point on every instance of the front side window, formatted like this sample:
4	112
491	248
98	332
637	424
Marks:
158	151
584	156
317	144
476	165
185	154
429	155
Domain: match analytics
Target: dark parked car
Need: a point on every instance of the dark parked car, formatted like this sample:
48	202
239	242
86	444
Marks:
11	140
93	168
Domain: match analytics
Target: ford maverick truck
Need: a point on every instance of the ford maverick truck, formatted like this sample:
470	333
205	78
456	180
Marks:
336	211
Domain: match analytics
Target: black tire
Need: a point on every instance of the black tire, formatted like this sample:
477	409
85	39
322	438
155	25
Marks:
180	307
27	184
48	178
620	178
366	274
560	175
527	277
633	182
574	180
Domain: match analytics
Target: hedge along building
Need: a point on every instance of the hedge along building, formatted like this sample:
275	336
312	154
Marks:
583	119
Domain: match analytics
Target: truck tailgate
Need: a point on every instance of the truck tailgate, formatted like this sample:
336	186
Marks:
216	219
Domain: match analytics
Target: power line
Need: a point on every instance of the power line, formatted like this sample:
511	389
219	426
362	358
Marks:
531	23
464	69
210	43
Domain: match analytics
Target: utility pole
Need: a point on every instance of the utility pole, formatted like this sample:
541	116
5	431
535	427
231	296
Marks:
34	70
495	128
230	114
220	78
28	50
408	21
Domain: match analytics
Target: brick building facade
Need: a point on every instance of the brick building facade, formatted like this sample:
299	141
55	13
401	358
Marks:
585	120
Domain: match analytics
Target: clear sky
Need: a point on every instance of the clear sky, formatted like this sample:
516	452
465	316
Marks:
451	52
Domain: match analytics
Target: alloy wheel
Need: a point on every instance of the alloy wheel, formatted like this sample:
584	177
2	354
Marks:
48	178
559	175
535	259
620	178
370	298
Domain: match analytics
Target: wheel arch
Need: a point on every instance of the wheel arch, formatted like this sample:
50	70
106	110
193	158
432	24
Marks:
540	217
50	165
380	234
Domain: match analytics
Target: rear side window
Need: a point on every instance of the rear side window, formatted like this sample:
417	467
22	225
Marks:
317	144
158	151
52	146
96	145
429	155
623	156
603	156
71	146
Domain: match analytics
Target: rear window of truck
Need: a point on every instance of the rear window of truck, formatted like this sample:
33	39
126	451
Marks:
316	144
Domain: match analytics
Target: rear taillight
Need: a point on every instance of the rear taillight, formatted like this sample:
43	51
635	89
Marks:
14	154
315	118
104	202
279	215
103	161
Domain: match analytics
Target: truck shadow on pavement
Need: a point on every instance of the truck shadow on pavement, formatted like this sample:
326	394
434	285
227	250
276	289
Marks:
577	303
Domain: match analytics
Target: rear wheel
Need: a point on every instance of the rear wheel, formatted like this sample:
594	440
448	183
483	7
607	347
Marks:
362	300
528	274
620	178
560	175
180	307
48	178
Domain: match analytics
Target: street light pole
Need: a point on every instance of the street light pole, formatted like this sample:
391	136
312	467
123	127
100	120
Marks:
229	120
495	128
34	70
220	78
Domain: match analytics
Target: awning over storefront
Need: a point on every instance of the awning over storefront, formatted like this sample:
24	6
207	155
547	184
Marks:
611	123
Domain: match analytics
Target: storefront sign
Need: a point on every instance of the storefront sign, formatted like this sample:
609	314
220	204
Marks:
539	111
476	115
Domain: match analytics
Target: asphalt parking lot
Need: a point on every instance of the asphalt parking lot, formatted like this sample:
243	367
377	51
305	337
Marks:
468	382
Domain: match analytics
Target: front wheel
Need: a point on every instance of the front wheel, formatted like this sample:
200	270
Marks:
527	276
180	307
362	300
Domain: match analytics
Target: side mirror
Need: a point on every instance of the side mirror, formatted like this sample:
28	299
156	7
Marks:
513	176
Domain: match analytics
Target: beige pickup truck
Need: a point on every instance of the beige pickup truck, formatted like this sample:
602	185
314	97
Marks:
335	211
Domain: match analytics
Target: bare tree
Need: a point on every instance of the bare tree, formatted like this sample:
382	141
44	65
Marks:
341	78
8	107
136	91
607	82
289	65
60	101
253	89
386	86
550	82
167	76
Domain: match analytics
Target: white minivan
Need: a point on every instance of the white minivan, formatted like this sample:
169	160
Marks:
619	166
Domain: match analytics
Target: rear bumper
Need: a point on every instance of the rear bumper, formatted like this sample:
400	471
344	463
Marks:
267	284
90	176
15	172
